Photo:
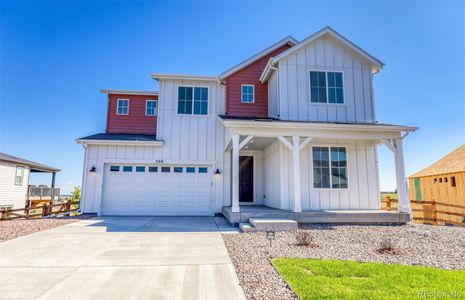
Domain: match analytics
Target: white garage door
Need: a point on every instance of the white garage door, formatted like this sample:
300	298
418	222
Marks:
157	190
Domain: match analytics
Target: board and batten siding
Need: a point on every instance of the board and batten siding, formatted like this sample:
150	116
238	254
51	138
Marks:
363	181
188	140
325	54
11	194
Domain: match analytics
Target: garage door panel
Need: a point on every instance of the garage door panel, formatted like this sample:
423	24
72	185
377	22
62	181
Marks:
156	193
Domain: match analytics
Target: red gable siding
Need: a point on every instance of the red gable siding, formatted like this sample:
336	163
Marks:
136	122
249	75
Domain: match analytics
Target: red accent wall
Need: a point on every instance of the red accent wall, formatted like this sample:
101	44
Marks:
136	122
249	75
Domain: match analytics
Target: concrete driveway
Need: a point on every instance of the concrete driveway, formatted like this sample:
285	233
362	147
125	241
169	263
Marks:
121	258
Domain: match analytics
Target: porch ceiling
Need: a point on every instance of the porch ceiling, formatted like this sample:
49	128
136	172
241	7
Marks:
259	143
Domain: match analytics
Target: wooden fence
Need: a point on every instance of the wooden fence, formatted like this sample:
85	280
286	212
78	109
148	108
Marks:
431	212
40	211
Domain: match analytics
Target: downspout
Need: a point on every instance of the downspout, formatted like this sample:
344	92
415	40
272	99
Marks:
84	177
278	100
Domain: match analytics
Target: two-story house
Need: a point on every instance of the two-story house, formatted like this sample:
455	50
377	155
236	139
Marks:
291	129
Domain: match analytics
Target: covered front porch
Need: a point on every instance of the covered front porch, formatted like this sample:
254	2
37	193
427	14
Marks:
311	172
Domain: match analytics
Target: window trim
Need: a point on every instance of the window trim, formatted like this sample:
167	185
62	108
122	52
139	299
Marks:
253	93
192	114
22	175
330	188
309	86
156	109
117	106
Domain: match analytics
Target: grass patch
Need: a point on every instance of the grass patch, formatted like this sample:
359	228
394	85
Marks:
336	279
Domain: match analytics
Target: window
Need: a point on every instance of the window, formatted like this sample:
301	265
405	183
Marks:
190	170
326	87
445	179
127	168
178	169
165	169
203	170
140	169
440	180
329	171
114	168
19	176
452	181
435	180
151	107
192	100
153	169
122	107
248	93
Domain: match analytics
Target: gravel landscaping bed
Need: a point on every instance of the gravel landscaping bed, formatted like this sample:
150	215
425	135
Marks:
433	246
16	228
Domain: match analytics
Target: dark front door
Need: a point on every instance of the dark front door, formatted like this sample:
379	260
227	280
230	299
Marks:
246	179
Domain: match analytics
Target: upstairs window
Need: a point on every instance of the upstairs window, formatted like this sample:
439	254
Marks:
151	107
248	93
326	87
19	176
329	167
122	107
192	100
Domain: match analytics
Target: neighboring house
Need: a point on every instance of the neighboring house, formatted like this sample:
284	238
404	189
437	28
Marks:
442	183
292	128
14	179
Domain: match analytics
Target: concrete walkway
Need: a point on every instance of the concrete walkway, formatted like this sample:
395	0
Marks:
121	258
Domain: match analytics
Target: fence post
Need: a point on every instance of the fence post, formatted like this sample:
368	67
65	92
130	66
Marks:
44	210
388	203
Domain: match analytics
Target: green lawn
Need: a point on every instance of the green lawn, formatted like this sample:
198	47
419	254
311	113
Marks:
335	279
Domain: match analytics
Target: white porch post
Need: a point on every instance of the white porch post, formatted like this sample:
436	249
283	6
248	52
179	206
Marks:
235	173
395	145
296	165
404	201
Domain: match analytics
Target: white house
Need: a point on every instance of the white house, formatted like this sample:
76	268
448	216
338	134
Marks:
14	179
292	129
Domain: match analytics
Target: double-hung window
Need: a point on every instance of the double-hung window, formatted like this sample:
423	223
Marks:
330	167
151	107
248	93
19	176
122	107
326	87
192	100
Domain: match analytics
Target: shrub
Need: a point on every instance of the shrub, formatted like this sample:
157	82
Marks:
305	238
387	246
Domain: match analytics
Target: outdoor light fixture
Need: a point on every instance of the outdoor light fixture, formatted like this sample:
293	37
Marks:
93	169
217	171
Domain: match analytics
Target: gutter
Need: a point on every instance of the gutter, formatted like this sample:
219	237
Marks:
120	142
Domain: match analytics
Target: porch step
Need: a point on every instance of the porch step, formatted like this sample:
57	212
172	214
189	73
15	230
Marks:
268	224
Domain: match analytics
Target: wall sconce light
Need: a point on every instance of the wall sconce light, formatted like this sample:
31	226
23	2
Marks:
217	171
93	169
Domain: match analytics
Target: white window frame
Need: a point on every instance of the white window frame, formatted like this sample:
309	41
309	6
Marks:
117	106
330	188
309	86
192	114
155	113
22	175
253	93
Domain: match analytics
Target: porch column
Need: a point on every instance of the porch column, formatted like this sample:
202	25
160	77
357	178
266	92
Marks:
235	173
296	167
402	191
395	145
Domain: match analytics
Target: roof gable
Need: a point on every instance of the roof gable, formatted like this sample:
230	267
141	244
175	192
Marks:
287	40
451	163
376	63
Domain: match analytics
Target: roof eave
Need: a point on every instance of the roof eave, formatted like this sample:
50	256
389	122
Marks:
128	92
119	142
158	76
287	40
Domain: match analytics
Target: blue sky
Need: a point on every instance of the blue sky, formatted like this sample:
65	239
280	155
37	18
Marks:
54	57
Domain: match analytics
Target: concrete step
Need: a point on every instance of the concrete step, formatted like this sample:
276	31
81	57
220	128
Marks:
246	227
268	224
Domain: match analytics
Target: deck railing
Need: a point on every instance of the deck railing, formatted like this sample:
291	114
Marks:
40	211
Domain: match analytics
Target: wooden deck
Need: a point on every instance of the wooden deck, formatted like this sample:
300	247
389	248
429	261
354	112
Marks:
317	216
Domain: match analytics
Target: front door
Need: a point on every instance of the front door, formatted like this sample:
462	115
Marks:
246	179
